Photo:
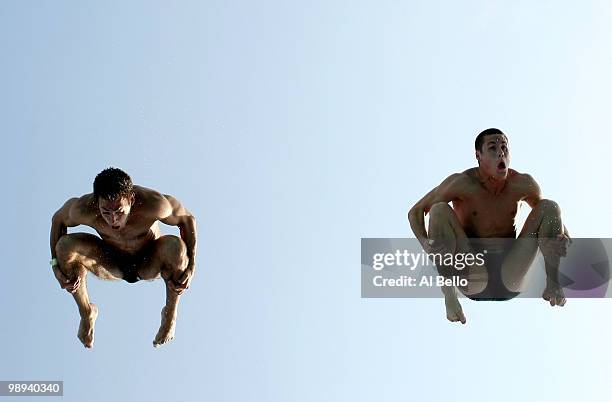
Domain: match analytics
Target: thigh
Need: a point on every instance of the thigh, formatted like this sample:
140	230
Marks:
525	247
442	218
518	261
93	254
150	262
163	257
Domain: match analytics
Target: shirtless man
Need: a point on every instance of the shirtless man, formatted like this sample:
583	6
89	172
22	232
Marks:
485	204
130	246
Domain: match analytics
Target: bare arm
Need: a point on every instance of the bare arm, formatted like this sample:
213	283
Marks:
67	216
534	196
62	219
176	215
533	193
552	250
445	192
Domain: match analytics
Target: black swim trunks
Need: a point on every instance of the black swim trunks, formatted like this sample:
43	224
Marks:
496	250
130	263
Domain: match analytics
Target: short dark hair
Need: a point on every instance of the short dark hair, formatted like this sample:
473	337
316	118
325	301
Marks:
481	137
112	183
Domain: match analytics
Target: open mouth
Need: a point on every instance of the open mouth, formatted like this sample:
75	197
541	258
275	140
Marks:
501	165
115	227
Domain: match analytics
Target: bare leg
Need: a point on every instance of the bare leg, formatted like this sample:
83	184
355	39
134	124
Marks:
75	254
171	260
542	226
88	312
168	318
446	231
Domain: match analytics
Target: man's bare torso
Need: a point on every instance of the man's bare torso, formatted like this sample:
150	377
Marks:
484	214
142	226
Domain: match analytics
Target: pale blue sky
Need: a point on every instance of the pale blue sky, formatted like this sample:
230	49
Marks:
291	130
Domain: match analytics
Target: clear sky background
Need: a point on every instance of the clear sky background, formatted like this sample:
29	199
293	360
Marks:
291	130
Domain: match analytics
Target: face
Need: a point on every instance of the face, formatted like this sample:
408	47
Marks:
115	212
494	156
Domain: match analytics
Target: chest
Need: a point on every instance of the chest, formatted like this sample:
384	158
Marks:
491	208
487	214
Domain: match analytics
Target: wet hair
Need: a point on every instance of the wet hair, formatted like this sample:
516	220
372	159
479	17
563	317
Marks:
111	184
480	139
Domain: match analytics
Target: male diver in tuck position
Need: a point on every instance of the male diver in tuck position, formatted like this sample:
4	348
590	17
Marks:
130	246
485	203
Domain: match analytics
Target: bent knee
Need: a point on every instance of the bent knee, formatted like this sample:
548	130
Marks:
440	209
172	249
66	247
549	207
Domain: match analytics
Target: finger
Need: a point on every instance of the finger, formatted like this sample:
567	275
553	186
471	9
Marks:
552	300
73	286
59	275
178	289
562	302
175	287
184	276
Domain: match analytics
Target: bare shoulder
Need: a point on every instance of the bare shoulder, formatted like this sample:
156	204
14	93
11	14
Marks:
79	210
521	179
463	180
469	176
457	184
151	202
525	185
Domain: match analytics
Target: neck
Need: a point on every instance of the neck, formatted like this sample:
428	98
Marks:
492	184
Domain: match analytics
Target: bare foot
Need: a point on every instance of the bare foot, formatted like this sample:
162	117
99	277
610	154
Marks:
454	312
166	329
554	295
86	327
